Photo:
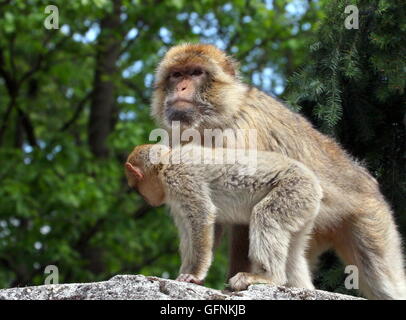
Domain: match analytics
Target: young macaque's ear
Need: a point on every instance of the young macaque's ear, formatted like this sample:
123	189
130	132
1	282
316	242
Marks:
135	171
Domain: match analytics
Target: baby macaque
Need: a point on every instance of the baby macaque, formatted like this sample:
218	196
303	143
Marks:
277	197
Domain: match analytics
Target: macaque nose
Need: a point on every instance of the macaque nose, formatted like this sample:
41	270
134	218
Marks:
182	87
183	95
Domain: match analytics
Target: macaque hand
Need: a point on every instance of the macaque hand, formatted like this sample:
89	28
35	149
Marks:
186	277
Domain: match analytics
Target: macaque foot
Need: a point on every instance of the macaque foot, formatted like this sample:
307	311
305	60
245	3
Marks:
242	280
186	277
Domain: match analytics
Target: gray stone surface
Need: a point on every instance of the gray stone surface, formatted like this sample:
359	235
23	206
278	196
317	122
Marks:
138	287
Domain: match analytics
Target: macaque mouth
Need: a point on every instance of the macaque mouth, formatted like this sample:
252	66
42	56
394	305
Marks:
181	109
184	116
180	102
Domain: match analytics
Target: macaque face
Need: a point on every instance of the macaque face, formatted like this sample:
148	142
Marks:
185	88
147	186
195	84
151	192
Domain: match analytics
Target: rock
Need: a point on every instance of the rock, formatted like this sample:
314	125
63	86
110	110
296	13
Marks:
138	287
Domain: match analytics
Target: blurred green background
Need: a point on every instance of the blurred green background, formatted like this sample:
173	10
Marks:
75	100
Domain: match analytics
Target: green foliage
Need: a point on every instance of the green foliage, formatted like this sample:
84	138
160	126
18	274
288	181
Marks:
354	89
60	203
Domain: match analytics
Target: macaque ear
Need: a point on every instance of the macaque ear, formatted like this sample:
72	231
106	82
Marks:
135	171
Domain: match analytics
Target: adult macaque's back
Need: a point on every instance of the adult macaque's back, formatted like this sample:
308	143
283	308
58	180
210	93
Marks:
198	85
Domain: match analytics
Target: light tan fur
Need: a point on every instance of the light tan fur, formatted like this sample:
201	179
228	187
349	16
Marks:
355	219
279	200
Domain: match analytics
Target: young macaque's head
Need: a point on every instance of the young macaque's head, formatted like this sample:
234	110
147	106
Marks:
142	175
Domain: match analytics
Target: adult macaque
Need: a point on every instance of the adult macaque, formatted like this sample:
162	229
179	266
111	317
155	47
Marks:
199	86
278	199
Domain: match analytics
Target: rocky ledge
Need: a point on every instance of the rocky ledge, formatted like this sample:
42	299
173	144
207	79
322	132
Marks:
138	287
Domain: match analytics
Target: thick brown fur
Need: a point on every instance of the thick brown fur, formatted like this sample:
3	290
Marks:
355	219
279	199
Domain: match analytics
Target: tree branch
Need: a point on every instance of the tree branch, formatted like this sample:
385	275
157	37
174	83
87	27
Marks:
78	110
130	42
28	127
5	118
43	57
10	82
139	92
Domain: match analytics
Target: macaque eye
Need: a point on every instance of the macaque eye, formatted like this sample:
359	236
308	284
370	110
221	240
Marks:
176	74
197	72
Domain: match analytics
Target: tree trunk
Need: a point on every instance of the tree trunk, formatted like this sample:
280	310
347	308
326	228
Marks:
103	97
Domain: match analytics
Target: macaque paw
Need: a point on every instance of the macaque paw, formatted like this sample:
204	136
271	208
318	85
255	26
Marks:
186	277
242	280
